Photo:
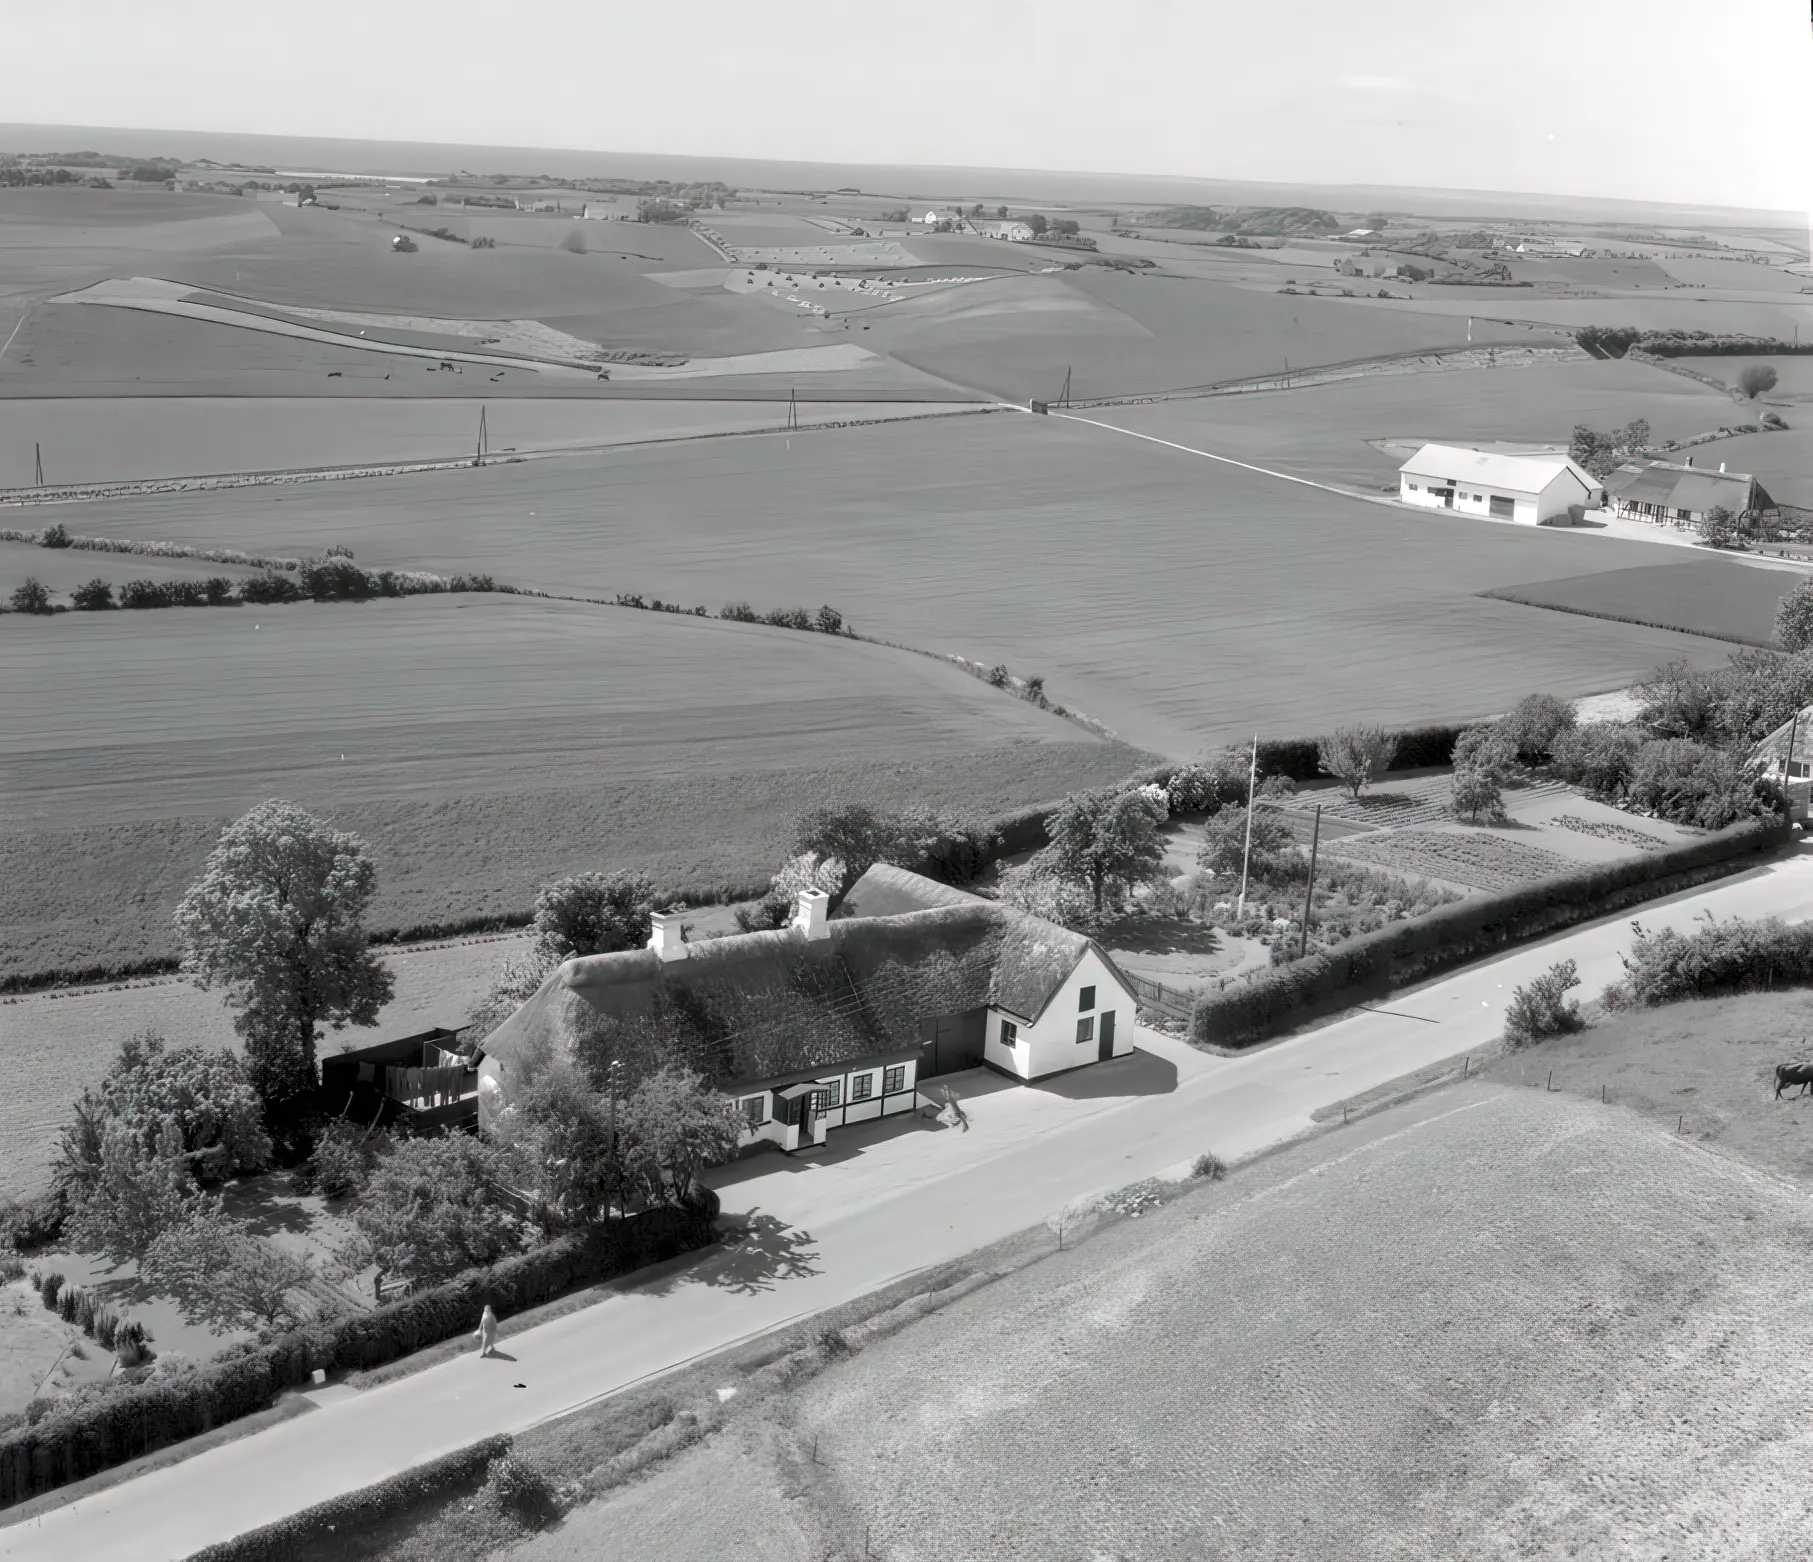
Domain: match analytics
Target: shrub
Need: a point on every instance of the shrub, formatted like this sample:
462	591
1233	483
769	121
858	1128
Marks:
94	597
146	594
1756	379
55	535
1599	757
789	618
342	1159
1476	792
740	613
516	1488
591	914
1542	1007
429	1211
1356	755
1794	617
1773	421
1487	748
1534	724
1224	842
998	675
1719	528
482	243
1210	1167
1722	957
31	596
49	1288
829	621
1689	783
263	590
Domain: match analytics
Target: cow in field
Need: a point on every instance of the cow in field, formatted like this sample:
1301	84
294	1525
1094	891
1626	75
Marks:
1787	1074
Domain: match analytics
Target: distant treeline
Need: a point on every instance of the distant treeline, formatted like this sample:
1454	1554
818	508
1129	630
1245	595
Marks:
1254	221
1615	341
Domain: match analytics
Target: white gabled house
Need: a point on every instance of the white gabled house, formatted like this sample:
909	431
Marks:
836	1020
1530	489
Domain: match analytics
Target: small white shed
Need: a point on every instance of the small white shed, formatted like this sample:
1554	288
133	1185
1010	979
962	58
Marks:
1529	489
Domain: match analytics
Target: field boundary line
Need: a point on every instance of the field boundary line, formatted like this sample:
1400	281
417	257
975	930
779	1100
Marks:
1245	466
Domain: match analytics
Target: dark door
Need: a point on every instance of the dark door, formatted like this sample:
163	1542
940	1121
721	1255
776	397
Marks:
952	1042
1106	1050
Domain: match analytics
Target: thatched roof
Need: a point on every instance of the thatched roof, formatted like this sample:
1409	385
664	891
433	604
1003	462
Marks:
758	1006
887	891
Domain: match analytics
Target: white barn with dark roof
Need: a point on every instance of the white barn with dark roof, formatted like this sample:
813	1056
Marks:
833	1021
1530	489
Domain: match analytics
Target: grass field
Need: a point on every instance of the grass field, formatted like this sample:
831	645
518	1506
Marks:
1706	597
481	744
1180	601
60	1044
95	438
1491	1324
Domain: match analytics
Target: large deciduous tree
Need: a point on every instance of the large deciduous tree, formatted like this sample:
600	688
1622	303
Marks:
277	920
592	914
430	1210
1105	842
670	1128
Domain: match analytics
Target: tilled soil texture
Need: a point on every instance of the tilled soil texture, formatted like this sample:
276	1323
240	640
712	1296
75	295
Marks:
1493	1324
481	744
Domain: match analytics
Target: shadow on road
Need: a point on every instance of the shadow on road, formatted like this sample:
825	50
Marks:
1138	1074
758	1254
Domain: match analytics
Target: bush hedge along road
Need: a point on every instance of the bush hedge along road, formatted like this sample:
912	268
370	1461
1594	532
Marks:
1451	935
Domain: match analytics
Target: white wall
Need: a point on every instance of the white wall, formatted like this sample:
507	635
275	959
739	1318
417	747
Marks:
1049	1045
1473	499
848	1110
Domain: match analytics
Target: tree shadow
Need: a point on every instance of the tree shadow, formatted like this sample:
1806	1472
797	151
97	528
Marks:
758	1253
268	1205
1162	936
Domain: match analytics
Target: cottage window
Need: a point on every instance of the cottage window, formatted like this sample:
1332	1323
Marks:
1085	1030
1683	515
862	1086
833	1092
1010	1033
1412	487
893	1080
754	1109
1086	999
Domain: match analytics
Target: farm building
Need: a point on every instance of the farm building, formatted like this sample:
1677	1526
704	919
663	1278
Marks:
1531	489
1672	495
833	1021
1010	230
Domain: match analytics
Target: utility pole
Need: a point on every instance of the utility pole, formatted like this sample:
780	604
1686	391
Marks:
1064	394
481	438
1788	764
37	451
1246	854
1315	840
792	411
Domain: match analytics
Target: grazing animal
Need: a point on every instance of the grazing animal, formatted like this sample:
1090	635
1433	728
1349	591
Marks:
1793	1074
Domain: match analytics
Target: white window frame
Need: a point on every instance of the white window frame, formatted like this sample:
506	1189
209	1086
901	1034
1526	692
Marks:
897	1073
1085	1029
834	1092
862	1086
757	1117
1010	1033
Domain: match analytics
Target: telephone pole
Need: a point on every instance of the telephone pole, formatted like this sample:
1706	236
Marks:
1064	394
37	451
1246	854
1315	840
792	411
480	459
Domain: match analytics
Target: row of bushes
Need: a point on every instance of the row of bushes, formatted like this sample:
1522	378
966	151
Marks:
320	580
1615	341
81	1307
323	1529
94	1431
826	621
59	536
1451	935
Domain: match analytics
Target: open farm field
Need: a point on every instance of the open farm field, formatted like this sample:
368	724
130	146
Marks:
58	1044
1781	461
1461	1328
1135	333
93	438
1333	432
482	745
1179	600
1793	375
1706	597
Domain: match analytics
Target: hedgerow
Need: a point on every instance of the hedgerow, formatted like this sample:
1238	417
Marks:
1249	1010
1722	957
96	1428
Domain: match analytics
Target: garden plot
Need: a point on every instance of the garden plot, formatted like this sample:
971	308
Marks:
1719	598
1475	859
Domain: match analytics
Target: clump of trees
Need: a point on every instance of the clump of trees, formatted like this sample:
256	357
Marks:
1102	845
1756	379
1602	454
1356	756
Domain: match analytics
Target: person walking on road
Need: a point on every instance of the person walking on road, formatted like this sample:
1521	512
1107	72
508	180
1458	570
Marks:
487	1331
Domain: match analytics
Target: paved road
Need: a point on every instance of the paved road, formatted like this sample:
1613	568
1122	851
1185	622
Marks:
879	1207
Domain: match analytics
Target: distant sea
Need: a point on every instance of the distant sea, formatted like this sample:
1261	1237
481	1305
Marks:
1021	186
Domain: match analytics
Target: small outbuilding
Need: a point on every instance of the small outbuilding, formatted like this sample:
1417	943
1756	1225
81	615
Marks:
1533	490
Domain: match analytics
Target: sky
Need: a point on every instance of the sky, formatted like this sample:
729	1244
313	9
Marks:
1662	100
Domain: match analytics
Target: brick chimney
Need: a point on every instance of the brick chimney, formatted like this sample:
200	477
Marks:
812	914
1690	460
664	937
